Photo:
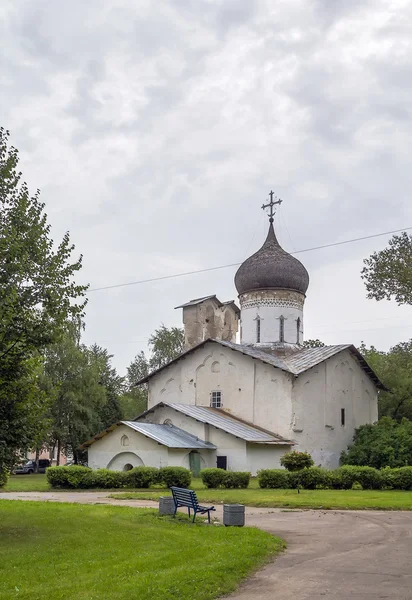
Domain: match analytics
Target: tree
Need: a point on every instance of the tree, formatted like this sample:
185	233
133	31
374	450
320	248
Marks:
384	444
394	369
78	398
388	273
37	296
313	344
165	344
134	400
112	383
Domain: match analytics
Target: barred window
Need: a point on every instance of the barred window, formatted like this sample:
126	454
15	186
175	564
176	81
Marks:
282	328
216	399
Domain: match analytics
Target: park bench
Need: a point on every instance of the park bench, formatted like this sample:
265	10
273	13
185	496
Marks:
188	499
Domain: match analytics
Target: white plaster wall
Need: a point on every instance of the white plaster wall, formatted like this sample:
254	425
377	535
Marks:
261	456
270	324
250	389
102	453
318	396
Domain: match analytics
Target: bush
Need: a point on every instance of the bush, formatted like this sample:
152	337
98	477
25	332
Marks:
4	476
368	477
295	461
399	479
213	478
141	477
175	476
105	479
236	479
66	477
273	478
310	479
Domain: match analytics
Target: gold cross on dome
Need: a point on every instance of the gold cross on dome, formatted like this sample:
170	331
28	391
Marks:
271	206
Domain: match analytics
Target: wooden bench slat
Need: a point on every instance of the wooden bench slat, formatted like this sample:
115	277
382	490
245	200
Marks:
188	499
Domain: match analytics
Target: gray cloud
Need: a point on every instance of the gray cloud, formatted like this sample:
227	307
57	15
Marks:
156	131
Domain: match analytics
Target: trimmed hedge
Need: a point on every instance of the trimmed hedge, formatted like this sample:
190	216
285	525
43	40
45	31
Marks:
345	478
215	478
4	476
77	477
296	460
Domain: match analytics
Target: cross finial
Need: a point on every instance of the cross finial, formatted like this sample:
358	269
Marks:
271	205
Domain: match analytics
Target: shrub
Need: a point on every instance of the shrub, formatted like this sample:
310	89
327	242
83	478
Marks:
4	476
400	479
274	478
236	479
66	477
310	479
295	461
368	477
141	477
104	478
175	476
213	478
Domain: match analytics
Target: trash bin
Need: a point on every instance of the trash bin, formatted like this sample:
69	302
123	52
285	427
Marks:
166	505
234	515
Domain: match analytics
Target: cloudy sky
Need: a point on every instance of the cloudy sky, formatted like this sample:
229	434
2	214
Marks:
155	131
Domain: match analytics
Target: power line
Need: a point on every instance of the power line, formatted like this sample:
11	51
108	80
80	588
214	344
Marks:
366	237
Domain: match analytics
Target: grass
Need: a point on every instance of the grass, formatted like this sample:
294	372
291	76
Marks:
53	551
317	499
253	496
27	483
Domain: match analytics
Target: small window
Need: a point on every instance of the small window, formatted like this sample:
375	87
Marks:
258	330
216	400
342	417
297	330
124	440
282	328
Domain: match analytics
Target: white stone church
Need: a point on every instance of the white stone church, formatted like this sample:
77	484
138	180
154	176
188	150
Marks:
241	406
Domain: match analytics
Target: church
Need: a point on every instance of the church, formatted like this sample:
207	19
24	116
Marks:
241	406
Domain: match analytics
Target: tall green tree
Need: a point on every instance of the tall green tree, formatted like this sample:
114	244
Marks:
112	383
388	273
134	400
394	368
165	344
78	398
38	295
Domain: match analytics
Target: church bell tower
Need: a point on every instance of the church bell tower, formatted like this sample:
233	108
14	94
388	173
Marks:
272	285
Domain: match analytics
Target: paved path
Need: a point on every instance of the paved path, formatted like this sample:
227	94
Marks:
333	555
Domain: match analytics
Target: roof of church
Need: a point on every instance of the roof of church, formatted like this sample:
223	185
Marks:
166	435
221	419
196	301
295	363
271	267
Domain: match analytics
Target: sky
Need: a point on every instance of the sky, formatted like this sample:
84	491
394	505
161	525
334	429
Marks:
155	131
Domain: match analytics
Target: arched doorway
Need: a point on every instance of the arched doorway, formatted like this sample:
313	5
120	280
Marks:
123	460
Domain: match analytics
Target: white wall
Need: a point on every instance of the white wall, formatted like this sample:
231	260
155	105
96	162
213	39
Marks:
318	397
270	324
261	456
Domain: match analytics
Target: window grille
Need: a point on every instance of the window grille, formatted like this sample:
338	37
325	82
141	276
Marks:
216	399
282	328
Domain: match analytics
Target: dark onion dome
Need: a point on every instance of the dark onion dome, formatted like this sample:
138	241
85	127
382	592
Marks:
271	268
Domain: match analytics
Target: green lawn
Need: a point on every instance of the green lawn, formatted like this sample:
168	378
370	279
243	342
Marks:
326	499
27	483
51	551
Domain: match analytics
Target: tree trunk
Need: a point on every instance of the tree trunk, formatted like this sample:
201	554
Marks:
58	452
36	460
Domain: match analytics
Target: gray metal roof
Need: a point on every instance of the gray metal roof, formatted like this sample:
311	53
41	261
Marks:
294	363
169	435
221	420
198	301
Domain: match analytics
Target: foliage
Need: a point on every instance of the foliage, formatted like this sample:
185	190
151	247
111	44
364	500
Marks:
295	460
52	550
212	478
388	273
175	476
66	477
165	344
394	368
369	478
384	444
398	479
4	477
311	478
142	477
313	344
113	384
273	478
215	478
73	378
37	296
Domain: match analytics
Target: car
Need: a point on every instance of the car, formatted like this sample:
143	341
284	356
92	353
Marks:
30	467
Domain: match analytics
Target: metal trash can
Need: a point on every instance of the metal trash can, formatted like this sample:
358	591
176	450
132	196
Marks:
234	515
166	505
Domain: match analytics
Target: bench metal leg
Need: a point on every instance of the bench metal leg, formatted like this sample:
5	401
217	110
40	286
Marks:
194	517
174	514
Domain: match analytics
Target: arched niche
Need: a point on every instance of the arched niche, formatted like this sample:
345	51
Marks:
121	460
